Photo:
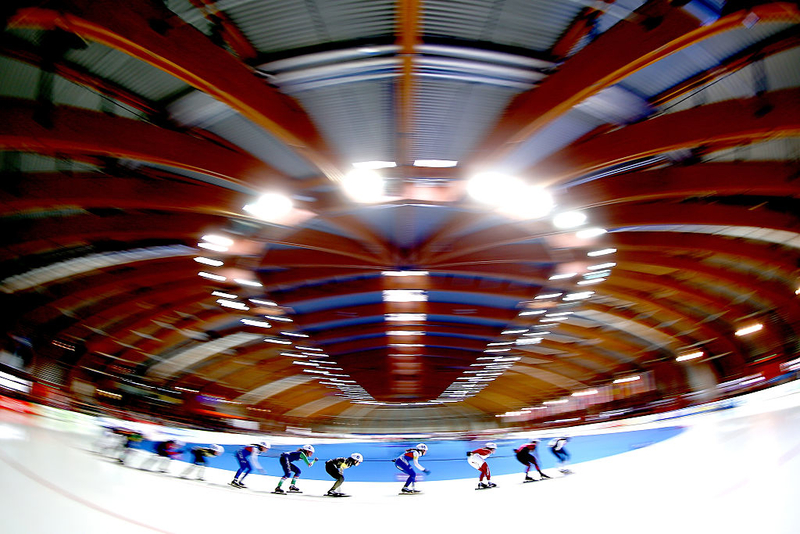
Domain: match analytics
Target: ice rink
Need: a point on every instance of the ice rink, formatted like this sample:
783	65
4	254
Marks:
735	470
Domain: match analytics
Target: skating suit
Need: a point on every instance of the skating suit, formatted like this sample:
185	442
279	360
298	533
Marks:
404	464
287	459
248	460
557	447
478	460
525	455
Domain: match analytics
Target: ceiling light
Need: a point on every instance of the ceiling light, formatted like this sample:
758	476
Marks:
209	261
690	356
529	202
532	312
406	317
597	274
218	240
528	341
499	343
562	276
497	350
406	345
405	295
211	276
404	273
232	304
552	320
562	401
749	329
278	341
591	281
372	165
493	187
300	347
405	333
601	266
601	252
294	334
627	379
590	232
263	302
585	393
363	185
212	246
435	163
514	331
270	206
569	219
279	318
578	296
242	281
223	295
547	296
252	322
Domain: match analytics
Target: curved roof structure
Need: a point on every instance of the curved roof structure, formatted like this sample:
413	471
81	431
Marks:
583	205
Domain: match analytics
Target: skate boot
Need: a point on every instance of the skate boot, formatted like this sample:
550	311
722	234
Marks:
294	489
482	485
279	490
406	489
490	484
529	478
543	476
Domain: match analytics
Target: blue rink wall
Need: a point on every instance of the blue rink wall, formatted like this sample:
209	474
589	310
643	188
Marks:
445	459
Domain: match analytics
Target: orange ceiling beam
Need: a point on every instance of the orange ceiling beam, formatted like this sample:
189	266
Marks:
81	132
655	31
184	52
719	125
408	30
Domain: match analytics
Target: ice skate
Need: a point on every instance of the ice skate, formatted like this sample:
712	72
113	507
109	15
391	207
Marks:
237	484
491	484
406	489
294	489
529	479
482	485
542	476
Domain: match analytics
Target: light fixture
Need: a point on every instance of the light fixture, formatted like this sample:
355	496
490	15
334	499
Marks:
562	276
406	317
529	202
232	304
209	261
689	356
749	329
294	334
270	206
405	333
243	282
547	296
601	252
263	302
211	276
278	341
212	246
252	322
585	393
218	240
363	185
405	295
435	163
590	232
569	219
581	295
223	295
601	266
514	331
591	281
627	379
562	401
404	273
279	318
532	312
493	187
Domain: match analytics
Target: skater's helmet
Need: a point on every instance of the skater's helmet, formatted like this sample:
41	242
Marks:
491	445
421	447
357	458
263	445
217	449
309	450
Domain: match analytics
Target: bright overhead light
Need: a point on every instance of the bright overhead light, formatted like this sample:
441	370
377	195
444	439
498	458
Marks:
270	206
242	281
209	261
279	318
405	295
562	401
749	329
300	347
404	273
212	276
232	304
562	276
601	252
547	296
590	232
405	333
406	317
597	274
212	246
263	302
499	343
591	281
218	240
372	165
528	341
690	356
497	350
530	202
569	219
493	187
578	296
585	393
363	185
435	163
224	295
627	379
252	322
294	334
514	331
552	320
405	345
532	312
601	266
278	341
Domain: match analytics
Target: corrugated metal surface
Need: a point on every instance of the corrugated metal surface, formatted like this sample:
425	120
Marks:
697	58
530	24
551	138
276	25
772	150
356	119
18	79
126	71
38	163
190	14
451	118
260	143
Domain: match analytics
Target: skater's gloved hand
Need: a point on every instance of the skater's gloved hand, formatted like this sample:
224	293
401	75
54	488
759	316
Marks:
469	454
426	471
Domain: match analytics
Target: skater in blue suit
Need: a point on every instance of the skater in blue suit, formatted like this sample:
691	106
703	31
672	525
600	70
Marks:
248	460
404	463
290	469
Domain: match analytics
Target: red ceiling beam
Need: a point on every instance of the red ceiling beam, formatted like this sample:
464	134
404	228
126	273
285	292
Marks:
230	32
181	50
719	125
81	132
408	20
653	32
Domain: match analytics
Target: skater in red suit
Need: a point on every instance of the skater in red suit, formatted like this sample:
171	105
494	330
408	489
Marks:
526	455
477	459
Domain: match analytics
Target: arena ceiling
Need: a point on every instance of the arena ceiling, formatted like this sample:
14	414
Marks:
656	144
